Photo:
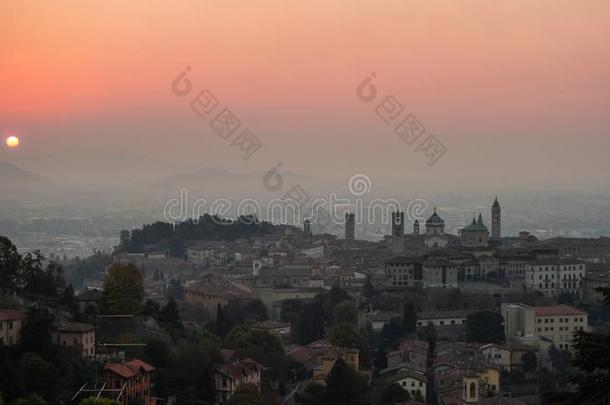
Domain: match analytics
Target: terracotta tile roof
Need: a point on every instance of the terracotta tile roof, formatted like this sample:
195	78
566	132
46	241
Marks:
302	354
139	364
74	327
128	369
11	315
558	310
119	369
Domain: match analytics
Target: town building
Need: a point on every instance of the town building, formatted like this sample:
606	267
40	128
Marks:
228	377
213	291
557	323
132	379
475	235
11	322
553	277
78	335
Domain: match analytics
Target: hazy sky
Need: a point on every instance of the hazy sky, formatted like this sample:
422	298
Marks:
518	91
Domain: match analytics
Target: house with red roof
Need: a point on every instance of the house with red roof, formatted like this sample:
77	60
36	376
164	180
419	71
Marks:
133	378
228	377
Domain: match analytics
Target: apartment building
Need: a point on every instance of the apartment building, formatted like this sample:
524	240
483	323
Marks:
557	323
553	277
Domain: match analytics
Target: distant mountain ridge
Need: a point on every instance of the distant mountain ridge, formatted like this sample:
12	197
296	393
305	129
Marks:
15	175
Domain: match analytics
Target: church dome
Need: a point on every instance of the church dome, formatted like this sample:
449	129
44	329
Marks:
435	219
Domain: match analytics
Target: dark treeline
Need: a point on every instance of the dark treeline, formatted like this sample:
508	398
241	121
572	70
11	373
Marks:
206	227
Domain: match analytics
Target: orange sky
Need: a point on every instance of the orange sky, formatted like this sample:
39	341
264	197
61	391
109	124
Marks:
470	69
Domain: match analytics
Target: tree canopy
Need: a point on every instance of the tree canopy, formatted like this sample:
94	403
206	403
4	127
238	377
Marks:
485	327
123	290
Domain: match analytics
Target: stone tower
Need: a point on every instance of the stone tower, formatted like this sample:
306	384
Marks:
496	220
398	232
416	227
350	227
307	234
471	389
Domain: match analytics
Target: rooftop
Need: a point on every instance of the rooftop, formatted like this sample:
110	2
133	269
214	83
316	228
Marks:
11	315
558	310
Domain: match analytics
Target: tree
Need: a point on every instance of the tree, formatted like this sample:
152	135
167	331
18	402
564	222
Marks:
409	318
344	335
220	321
592	357
36	375
10	265
99	401
170	313
345	386
37	333
123	290
32	399
310	325
151	308
255	310
312	394
392	332
330	299
529	362
345	312
246	394
291	310
391	393
485	327
566	298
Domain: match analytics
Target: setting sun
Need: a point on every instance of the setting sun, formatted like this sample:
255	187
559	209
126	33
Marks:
12	141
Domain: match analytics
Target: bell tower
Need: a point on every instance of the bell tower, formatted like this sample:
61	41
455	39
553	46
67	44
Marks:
496	220
398	232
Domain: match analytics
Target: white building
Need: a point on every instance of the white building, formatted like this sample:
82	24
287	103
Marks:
557	323
553	277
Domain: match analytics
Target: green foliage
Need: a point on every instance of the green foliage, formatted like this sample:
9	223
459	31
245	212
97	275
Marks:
36	375
529	362
123	290
291	310
329	300
345	386
32	399
89	268
246	394
409	318
10	265
252	343
345	312
344	335
566	298
28	273
169	317
310	325
391	393
392	332
204	228
192	372
312	394
99	401
485	327
37	333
